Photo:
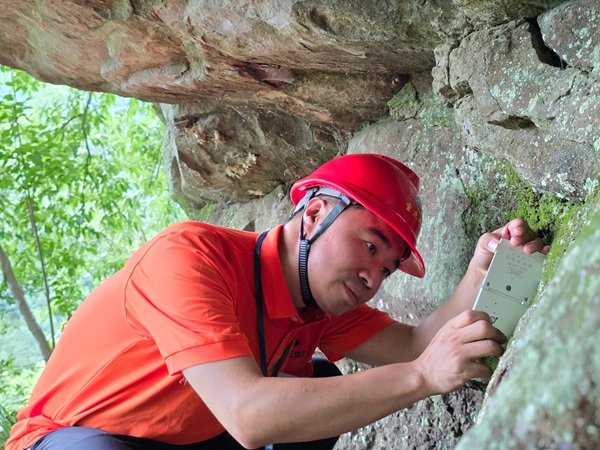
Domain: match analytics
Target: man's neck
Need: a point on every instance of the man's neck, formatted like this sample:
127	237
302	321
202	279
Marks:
288	255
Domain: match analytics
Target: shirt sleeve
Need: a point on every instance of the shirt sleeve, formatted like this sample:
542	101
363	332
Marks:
352	329
179	295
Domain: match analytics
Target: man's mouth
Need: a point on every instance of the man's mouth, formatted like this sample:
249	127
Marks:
354	299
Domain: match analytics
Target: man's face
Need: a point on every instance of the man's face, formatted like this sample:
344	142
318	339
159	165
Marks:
350	260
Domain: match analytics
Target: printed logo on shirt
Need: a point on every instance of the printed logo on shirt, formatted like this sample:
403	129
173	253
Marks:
297	353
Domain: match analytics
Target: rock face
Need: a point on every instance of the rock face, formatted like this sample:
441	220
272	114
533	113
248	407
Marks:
516	98
495	104
320	68
235	153
546	393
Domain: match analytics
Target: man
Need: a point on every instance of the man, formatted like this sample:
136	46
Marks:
182	348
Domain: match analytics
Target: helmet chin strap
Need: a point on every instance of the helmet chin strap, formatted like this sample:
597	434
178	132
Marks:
305	244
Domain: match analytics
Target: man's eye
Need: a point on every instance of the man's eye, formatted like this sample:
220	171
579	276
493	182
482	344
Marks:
386	272
371	248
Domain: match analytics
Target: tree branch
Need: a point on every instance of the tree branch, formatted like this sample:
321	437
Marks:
21	302
34	227
38	244
88	150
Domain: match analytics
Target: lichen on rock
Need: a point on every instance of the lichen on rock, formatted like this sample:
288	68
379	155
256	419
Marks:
549	394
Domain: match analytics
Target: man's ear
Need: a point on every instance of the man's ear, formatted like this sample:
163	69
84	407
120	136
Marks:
314	212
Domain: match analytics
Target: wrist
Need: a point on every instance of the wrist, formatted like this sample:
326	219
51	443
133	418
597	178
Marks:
474	275
423	386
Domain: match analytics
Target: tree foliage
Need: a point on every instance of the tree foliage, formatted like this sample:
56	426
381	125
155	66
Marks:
81	188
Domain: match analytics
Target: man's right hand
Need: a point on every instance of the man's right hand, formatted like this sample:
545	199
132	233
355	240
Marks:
452	357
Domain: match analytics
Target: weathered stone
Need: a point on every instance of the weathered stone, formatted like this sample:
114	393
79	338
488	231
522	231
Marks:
182	51
404	105
572	31
547	395
222	153
492	12
514	100
255	215
435	423
332	65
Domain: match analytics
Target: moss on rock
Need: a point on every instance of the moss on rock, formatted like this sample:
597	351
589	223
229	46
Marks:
545	393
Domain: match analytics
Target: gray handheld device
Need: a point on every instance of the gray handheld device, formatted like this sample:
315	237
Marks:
509	285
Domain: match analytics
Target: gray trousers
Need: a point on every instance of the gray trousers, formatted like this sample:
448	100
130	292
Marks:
82	438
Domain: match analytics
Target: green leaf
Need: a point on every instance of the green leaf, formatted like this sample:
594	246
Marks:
88	173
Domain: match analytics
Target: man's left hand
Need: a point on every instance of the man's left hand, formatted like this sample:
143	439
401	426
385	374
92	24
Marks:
517	231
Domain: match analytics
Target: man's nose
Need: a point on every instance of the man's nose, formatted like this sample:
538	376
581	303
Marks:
371	276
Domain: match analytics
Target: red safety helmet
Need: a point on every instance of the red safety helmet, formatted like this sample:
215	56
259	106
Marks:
382	185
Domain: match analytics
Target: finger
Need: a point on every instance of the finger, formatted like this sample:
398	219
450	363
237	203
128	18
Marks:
531	243
522	239
480	349
468	317
519	233
476	369
483	330
490	241
536	245
516	229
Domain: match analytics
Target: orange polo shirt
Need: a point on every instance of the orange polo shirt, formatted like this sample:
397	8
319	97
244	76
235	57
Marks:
185	298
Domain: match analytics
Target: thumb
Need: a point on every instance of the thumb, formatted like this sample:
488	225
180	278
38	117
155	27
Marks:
492	243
